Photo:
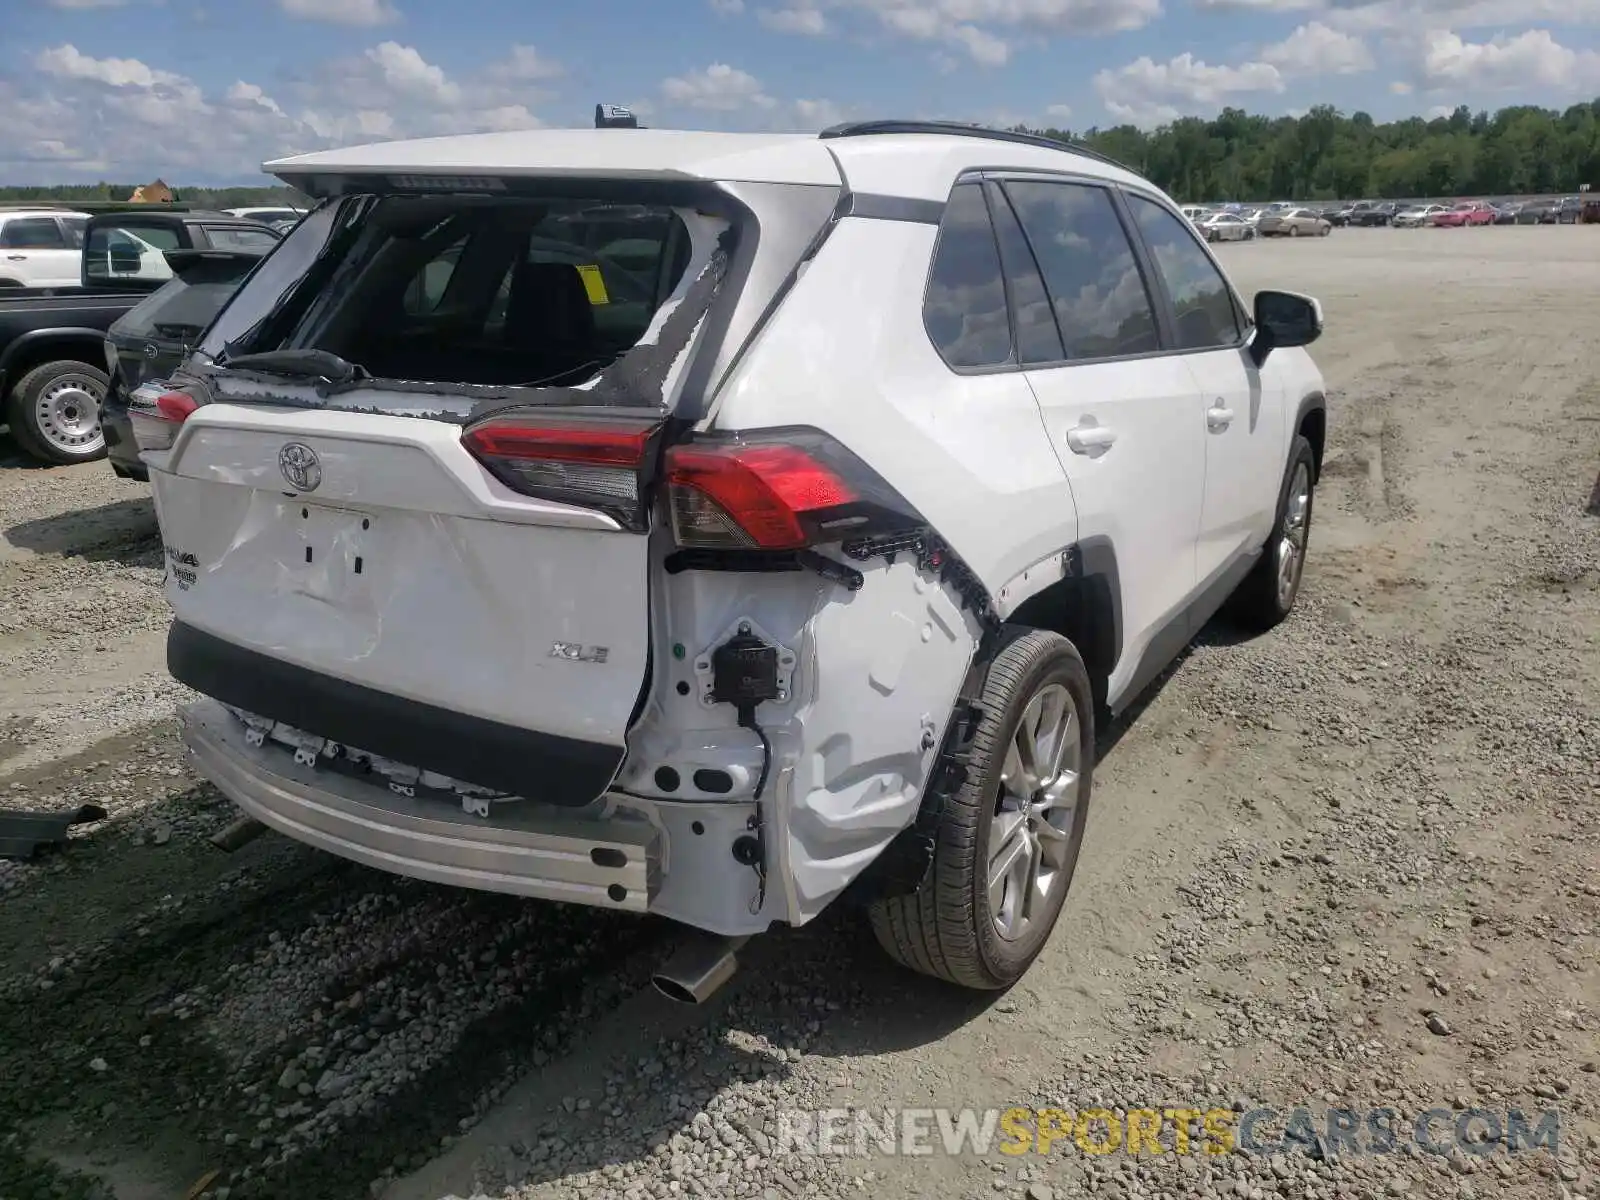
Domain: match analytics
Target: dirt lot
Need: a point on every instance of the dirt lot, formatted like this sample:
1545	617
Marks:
1352	864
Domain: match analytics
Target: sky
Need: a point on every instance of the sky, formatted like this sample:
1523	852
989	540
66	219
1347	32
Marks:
203	91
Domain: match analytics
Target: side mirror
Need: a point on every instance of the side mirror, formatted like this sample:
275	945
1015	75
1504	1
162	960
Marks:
1283	320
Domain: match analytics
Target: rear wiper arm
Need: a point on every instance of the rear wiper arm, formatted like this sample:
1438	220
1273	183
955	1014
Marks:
297	364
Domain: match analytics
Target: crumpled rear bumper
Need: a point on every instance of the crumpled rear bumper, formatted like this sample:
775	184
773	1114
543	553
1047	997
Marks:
608	858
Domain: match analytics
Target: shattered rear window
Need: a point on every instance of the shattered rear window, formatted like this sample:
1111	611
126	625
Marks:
513	293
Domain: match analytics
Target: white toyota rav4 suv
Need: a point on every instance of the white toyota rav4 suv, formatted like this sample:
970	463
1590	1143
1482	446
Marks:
716	525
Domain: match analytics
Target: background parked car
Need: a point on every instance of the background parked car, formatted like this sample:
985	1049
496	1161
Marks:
1537	212
1377	214
1506	214
1468	212
145	344
1293	222
1226	227
52	342
1569	208
41	248
1417	216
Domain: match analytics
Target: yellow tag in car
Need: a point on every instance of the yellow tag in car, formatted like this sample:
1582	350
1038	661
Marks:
593	283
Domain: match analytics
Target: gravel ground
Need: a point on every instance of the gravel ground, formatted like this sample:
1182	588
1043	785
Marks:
1352	864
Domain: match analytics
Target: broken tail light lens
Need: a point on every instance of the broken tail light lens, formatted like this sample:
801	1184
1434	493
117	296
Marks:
590	461
156	427
781	491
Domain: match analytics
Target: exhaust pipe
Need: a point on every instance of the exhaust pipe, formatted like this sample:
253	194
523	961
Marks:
702	965
240	832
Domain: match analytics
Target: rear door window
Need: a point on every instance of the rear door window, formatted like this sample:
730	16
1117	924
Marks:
32	233
1102	306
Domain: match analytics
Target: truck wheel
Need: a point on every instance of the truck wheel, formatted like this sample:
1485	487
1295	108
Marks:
1267	595
1008	840
54	412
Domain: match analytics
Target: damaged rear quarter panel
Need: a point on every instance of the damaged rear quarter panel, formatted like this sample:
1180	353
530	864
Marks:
876	673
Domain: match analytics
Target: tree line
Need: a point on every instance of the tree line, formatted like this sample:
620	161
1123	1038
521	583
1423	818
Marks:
1326	155
198	197
1323	155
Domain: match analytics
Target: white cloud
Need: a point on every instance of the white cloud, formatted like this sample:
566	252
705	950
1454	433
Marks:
525	62
1149	93
405	71
87	3
987	30
986	49
1400	88
1406	17
807	21
819	114
1531	60
123	118
66	62
1058	112
718	88
342	12
1316	49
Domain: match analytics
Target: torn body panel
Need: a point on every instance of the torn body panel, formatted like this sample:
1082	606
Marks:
850	760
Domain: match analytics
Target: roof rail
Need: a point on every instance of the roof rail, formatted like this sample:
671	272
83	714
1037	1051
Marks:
968	129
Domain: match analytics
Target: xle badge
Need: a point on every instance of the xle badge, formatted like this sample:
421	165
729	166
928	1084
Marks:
573	652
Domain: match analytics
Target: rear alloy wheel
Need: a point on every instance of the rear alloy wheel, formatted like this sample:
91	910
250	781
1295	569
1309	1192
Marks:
1294	231
54	412
1008	840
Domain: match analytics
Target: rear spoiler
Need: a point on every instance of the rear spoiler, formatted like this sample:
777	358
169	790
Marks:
186	260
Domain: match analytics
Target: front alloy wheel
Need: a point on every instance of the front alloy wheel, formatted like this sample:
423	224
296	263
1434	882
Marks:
1290	552
1267	595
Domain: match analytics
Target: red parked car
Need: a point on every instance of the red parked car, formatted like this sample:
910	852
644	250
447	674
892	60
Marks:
1468	212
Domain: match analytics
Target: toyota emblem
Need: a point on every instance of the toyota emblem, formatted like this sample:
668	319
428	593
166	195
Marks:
300	466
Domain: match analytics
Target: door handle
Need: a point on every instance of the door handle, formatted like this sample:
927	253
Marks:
1218	417
16	258
1085	439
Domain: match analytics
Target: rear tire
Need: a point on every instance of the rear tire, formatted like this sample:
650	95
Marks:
1267	595
54	412
1008	840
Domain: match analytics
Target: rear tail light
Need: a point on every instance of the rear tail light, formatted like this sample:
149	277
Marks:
156	427
780	492
593	461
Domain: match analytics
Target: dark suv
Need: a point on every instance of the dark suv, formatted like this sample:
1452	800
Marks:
145	344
